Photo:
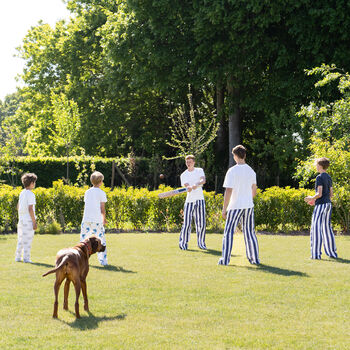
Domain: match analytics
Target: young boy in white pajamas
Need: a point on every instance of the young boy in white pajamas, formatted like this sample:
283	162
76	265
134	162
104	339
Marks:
240	184
94	217
321	226
26	218
193	178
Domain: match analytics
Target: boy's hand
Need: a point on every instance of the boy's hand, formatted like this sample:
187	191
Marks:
189	188
104	222
194	187
224	214
35	226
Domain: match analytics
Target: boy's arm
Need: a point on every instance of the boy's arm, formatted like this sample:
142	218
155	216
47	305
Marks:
187	185
317	195
227	196
103	212
31	213
331	192
254	190
201	182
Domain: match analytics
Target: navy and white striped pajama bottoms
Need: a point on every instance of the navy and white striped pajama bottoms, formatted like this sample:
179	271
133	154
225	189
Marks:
197	210
251	243
321	231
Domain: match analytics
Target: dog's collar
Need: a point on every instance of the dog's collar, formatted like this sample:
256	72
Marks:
88	246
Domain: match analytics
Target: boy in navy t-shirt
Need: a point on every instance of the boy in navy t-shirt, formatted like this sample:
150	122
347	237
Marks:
321	227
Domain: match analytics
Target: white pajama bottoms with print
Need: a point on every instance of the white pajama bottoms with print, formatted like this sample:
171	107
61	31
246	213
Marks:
197	210
97	229
25	234
321	231
251	243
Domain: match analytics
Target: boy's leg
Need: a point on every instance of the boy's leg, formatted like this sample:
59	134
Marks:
186	227
199	219
100	233
327	232
19	242
28	234
315	232
232	220
251	242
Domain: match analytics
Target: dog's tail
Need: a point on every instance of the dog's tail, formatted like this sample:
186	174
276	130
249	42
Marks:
62	263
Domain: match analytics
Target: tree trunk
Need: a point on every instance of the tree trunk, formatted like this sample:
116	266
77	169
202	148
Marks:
221	139
234	119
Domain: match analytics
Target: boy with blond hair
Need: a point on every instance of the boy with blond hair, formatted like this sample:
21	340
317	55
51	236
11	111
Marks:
240	184
26	218
94	217
321	226
193	178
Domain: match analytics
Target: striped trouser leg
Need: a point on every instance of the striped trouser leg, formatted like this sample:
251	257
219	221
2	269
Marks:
251	242
186	227
315	232
232	220
327	232
199	219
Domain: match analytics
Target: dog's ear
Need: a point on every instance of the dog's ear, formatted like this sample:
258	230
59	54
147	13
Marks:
94	243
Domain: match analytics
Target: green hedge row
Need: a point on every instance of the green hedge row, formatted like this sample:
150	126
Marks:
276	209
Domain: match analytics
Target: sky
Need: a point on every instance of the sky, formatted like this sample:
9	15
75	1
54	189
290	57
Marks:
16	18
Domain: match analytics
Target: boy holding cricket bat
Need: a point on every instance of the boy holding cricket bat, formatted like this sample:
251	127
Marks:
193	179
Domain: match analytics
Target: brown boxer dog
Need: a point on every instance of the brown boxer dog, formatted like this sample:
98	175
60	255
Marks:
72	264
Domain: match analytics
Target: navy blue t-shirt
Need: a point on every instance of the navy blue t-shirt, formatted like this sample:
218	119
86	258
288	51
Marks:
325	181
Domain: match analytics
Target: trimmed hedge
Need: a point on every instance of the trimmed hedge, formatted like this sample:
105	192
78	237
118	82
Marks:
276	209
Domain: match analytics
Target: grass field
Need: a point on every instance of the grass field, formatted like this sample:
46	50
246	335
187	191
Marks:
154	296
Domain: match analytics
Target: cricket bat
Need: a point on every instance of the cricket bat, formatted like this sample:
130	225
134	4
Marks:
173	192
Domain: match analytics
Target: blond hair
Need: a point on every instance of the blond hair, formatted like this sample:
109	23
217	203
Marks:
96	177
190	156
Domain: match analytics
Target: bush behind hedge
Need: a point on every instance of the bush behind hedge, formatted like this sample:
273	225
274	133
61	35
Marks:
276	209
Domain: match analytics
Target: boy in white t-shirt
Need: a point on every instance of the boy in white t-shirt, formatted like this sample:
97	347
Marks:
26	218
240	184
193	178
94	217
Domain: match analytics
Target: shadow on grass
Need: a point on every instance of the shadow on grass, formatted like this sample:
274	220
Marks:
339	260
43	264
91	321
275	270
209	251
112	268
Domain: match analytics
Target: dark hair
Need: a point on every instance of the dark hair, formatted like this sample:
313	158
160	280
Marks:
28	178
324	162
240	151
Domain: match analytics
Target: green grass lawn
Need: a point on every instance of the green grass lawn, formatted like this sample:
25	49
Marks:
154	296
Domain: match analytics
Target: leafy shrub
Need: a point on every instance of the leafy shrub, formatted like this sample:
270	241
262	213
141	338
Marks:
276	209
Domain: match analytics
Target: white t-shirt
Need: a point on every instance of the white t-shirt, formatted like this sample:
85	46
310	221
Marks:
240	178
191	178
92	210
26	198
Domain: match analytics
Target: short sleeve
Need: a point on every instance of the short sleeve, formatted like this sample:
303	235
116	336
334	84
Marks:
31	198
201	172
229	179
183	179
103	197
319	181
